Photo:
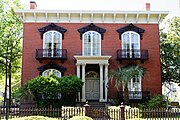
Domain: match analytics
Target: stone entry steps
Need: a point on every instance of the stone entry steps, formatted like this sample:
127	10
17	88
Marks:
94	104
95	109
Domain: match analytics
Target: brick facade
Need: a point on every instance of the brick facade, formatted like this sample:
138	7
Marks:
109	46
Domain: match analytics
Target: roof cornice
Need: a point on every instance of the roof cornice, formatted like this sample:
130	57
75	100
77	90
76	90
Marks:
85	16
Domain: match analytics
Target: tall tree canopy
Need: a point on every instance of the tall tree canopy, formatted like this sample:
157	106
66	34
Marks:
10	40
170	51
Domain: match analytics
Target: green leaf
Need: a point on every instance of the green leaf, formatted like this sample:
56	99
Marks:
170	52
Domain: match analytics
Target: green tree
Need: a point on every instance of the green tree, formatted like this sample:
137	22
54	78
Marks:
124	74
170	51
10	42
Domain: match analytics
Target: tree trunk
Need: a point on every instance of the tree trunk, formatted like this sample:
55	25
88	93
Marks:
126	94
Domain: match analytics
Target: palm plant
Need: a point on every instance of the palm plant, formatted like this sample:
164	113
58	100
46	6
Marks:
124	75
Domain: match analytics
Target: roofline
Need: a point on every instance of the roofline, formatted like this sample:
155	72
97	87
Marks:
90	11
91	16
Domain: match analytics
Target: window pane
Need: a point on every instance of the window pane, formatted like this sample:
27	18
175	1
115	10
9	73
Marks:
86	38
134	38
96	37
87	49
125	41
57	37
46	73
96	44
51	71
46	46
126	38
87	44
125	45
57	46
56	73
48	37
135	41
135	45
57	40
134	84
89	36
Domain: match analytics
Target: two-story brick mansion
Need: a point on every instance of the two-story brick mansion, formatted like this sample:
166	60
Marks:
89	44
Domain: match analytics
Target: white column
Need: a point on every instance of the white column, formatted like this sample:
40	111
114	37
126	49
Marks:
78	75
78	70
106	80
83	79
101	83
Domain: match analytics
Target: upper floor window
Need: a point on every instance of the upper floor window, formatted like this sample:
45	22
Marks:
91	43
52	43
51	71
130	44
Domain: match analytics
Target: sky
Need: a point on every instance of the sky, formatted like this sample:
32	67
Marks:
173	6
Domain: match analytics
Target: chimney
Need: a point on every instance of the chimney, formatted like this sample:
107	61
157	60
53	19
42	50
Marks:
148	5
33	5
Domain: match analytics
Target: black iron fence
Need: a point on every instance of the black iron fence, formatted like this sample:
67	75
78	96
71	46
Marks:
108	113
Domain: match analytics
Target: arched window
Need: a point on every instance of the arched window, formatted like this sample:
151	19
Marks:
52	44
91	43
51	71
130	44
92	74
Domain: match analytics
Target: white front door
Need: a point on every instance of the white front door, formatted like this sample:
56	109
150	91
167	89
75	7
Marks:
92	89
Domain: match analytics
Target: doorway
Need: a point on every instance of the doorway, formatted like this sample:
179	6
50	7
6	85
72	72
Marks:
92	86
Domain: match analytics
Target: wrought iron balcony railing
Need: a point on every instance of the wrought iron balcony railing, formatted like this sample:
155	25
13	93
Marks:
138	95
132	54
58	54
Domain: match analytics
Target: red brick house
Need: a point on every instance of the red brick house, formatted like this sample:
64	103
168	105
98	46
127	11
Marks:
91	43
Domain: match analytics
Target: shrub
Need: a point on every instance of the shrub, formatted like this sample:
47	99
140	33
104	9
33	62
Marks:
81	118
52	91
154	102
70	84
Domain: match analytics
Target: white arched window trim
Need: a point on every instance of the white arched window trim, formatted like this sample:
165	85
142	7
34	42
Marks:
93	47
52	43
51	71
130	44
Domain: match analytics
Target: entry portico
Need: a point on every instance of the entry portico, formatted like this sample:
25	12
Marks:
102	61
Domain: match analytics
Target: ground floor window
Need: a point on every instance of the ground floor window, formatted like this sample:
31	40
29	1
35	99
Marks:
51	71
135	88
